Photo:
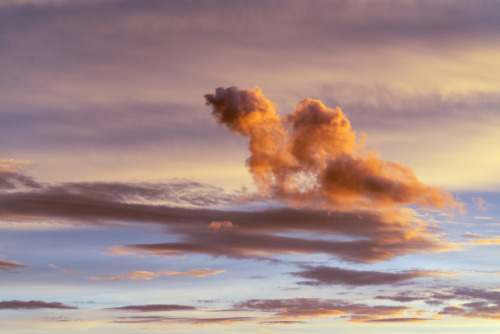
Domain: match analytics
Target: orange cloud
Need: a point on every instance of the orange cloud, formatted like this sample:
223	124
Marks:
311	156
149	275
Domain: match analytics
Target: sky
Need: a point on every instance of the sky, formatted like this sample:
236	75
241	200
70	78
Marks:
249	166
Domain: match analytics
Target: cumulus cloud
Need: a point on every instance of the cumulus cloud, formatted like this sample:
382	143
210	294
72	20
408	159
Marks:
32	304
11	266
311	156
323	275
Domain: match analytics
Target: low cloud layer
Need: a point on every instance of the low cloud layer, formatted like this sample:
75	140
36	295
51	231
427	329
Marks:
33	304
356	235
333	275
311	156
314	307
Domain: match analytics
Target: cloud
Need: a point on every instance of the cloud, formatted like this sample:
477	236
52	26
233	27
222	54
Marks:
402	298
12	175
32	304
246	245
62	270
399	320
356	235
216	226
149	275
153	308
311	156
480	203
11	266
482	310
193	321
314	307
333	275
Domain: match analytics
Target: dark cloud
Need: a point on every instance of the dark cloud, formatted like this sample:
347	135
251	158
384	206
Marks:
474	293
399	320
402	298
12	176
11	266
313	307
33	304
333	275
481	303
244	245
283	322
153	308
179	192
361	235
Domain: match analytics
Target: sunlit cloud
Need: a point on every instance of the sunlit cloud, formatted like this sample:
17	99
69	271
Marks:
311	156
149	275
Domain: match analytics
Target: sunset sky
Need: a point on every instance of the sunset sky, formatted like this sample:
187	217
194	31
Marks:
235	166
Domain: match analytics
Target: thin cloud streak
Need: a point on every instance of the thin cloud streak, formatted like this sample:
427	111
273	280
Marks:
153	308
33	304
149	275
11	266
323	275
314	307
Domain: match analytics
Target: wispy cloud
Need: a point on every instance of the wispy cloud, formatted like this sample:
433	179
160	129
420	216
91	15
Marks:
333	275
149	275
12	266
313	307
193	320
153	308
